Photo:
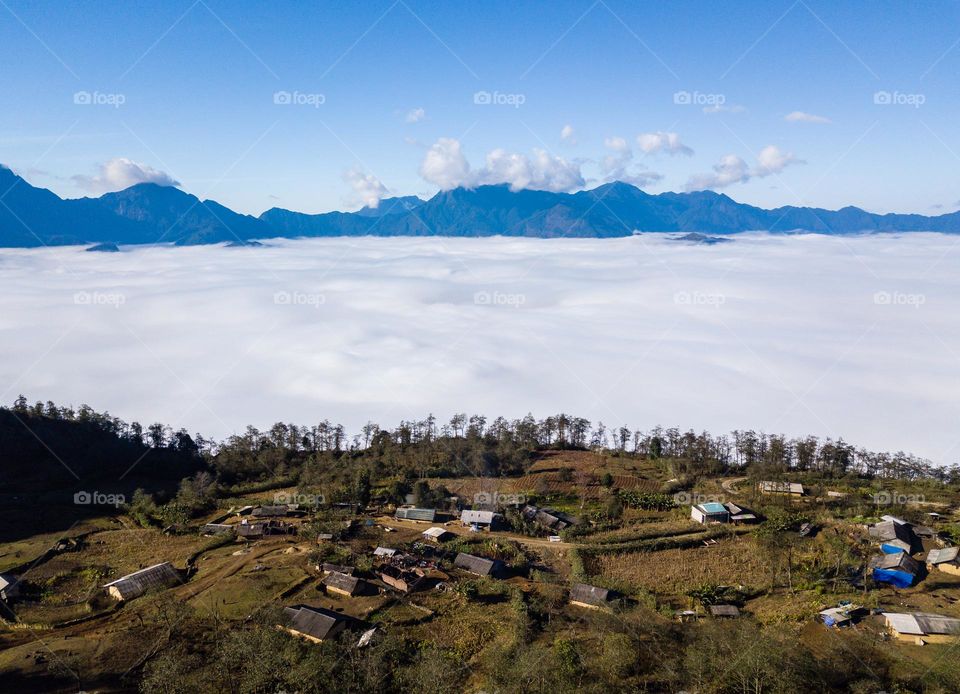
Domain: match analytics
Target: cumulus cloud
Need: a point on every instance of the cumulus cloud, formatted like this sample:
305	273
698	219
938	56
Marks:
528	328
368	190
415	115
618	165
120	173
802	117
668	143
446	166
732	169
568	135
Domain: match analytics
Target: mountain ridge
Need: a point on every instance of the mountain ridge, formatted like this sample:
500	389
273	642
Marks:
152	213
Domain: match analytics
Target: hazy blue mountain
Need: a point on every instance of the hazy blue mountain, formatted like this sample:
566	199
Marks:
150	213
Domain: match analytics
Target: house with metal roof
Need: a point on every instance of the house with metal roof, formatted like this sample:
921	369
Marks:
427	515
921	627
279	511
842	615
893	536
217	529
479	565
139	582
402	580
327	568
789	488
899	570
437	534
593	597
946	559
9	587
480	519
384	552
251	531
547	518
710	512
724	611
314	624
345	584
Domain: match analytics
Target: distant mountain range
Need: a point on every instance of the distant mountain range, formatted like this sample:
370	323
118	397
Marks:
150	213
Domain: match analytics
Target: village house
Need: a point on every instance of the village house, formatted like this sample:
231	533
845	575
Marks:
710	512
327	568
280	511
894	536
217	529
139	582
314	624
724	611
479	565
592	597
478	520
947	559
9	587
384	552
404	581
416	514
922	628
788	488
345	584
842	616
899	570
251	531
437	534
548	519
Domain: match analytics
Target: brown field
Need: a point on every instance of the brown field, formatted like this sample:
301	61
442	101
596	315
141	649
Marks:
675	571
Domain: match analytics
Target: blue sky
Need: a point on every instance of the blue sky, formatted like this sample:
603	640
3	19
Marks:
187	91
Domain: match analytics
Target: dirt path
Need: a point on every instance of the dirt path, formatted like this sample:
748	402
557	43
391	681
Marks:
728	485
457	529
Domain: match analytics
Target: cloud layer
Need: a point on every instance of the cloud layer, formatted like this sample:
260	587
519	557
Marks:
446	166
804	334
120	173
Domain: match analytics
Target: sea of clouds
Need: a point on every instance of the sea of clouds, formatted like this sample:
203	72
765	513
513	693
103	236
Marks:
855	337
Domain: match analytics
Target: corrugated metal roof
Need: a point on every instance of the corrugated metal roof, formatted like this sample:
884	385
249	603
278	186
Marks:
344	582
139	582
436	533
724	610
482	517
922	623
384	552
940	556
313	621
419	514
589	595
477	565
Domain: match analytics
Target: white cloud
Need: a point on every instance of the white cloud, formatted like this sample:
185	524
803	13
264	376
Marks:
568	135
618	165
416	115
368	190
446	166
668	143
802	117
732	169
372	349
119	173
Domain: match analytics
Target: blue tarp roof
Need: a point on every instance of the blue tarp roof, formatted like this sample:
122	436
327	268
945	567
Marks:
714	507
901	579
